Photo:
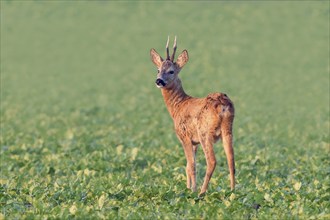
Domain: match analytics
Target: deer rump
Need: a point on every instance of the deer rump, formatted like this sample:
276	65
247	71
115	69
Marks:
213	117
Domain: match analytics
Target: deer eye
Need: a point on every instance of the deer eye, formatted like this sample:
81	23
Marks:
171	72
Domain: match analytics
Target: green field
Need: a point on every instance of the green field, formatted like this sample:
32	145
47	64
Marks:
85	132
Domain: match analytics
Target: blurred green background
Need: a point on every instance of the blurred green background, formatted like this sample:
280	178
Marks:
76	77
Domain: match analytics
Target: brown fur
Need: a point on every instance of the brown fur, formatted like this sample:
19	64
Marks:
196	120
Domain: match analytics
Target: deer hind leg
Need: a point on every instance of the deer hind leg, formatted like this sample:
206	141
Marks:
190	153
207	146
227	139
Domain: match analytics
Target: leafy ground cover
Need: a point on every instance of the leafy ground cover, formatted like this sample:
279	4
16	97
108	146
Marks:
85	133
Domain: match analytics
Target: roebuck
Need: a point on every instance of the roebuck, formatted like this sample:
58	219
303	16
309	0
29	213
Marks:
196	120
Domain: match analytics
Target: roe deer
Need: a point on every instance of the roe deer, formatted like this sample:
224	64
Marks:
196	120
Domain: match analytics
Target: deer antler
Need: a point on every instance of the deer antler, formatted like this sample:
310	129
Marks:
174	49
167	50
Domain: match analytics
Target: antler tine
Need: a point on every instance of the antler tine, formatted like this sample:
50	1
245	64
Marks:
174	49
167	50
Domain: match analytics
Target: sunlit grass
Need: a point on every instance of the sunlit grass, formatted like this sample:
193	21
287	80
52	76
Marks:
85	133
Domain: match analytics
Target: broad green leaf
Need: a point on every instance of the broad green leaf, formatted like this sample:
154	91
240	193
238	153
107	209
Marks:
119	149
101	201
268	198
232	197
297	186
134	153
73	209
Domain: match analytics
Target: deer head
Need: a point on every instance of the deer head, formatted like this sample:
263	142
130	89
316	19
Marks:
168	70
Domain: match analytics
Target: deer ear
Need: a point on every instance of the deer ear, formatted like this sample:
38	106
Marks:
155	57
182	59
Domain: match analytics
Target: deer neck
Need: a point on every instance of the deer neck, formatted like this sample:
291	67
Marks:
174	96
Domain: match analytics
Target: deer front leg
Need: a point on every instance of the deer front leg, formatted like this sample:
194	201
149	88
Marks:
211	162
189	151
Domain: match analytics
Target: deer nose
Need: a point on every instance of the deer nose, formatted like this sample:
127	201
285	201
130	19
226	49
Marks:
160	82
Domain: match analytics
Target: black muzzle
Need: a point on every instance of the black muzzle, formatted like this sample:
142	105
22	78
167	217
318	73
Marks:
160	82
